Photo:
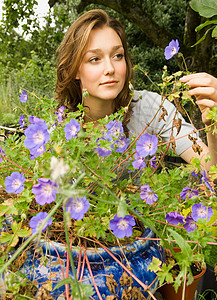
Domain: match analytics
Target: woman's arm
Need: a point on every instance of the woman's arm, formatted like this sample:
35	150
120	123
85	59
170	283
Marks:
204	87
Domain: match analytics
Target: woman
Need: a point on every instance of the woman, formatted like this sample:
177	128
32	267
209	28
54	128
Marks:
93	56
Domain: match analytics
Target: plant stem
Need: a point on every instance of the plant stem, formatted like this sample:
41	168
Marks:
70	253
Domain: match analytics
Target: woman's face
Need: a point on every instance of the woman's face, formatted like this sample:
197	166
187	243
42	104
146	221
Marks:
103	68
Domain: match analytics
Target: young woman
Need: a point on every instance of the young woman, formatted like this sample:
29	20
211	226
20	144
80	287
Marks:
93	56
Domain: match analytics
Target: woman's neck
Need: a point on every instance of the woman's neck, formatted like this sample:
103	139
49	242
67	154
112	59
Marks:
95	110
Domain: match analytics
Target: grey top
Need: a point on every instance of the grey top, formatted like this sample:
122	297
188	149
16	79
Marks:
143	112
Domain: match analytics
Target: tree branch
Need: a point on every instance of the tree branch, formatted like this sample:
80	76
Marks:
134	13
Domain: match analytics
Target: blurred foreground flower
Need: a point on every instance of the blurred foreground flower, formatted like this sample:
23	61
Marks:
122	227
172	49
14	183
37	220
58	167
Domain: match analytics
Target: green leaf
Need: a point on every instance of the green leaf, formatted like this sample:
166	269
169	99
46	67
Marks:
203	37
64	281
214	32
201	26
206	8
185	248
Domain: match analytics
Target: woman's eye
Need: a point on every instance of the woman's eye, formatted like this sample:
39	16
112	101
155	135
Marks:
94	59
119	56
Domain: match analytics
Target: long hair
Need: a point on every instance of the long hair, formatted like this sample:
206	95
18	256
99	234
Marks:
70	54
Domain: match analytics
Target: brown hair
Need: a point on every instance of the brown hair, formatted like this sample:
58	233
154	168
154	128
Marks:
70	53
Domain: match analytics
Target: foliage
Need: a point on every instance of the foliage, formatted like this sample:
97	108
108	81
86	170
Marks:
208	10
59	159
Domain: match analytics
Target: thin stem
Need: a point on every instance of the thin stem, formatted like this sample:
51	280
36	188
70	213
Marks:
70	253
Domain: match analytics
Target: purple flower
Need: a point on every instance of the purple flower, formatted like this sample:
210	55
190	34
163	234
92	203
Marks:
188	192
122	227
45	191
24	97
190	224
195	173
77	207
59	113
22	121
172	49
122	144
37	220
34	120
148	195
174	218
71	129
2	153
102	151
34	153
115	129
206	181
146	145
153	162
139	162
201	211
14	183
36	135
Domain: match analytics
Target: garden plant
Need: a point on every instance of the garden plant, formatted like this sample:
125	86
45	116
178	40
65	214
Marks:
66	181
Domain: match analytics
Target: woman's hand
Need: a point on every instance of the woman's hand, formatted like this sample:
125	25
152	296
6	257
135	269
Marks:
204	87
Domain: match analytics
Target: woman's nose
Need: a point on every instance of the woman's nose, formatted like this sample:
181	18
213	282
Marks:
108	68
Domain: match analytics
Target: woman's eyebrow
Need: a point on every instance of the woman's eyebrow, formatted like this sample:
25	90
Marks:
98	50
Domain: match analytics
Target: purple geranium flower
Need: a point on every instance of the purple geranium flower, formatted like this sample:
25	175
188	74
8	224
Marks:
77	207
14	183
122	144
2	153
153	162
188	192
139	162
146	145
115	129
206	181
174	218
37	220
59	113
148	195
45	191
34	120
190	224
34	153
22	121
102	151
195	173
172	49
122	227
201	211
36	135
71	129
24	97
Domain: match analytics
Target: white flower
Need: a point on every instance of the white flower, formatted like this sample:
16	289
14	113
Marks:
58	167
